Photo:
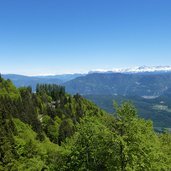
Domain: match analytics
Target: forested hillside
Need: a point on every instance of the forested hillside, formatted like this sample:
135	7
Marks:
52	130
158	109
140	84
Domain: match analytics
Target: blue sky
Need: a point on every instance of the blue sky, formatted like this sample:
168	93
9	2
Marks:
65	36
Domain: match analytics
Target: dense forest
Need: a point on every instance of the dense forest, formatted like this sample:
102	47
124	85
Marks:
156	109
52	130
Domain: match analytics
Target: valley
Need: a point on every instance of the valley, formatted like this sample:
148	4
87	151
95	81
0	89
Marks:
148	89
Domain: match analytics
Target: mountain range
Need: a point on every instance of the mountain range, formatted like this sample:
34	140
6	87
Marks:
22	80
144	85
149	88
142	81
141	69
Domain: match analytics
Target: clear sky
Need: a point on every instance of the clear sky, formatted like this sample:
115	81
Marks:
62	36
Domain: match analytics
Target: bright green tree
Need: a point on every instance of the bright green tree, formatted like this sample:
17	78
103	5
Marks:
136	143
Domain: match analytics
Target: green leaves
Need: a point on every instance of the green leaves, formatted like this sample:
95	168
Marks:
124	143
51	130
88	146
138	144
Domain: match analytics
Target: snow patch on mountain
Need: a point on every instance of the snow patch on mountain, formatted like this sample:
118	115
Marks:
135	69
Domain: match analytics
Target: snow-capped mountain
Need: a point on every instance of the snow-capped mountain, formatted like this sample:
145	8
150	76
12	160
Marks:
141	69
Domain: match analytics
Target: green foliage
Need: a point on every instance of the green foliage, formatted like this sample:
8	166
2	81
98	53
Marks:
124	143
7	146
8	89
165	140
32	154
157	110
54	91
89	146
51	130
51	127
137	144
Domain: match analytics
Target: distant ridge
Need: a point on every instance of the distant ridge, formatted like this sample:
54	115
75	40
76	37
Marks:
21	80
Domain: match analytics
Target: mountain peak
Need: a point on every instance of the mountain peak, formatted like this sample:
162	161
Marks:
140	69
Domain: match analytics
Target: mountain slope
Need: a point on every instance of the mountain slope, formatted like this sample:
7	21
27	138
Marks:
120	84
21	80
158	110
52	130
